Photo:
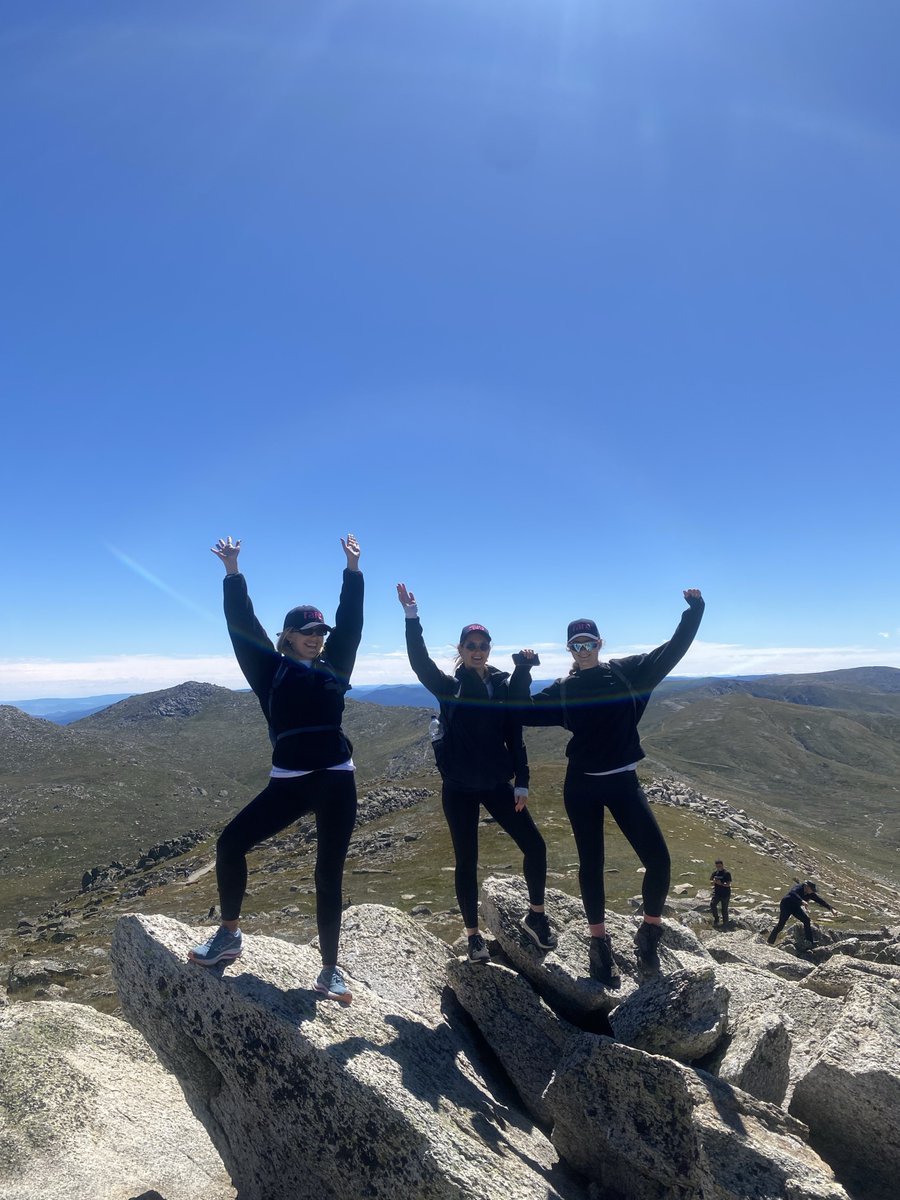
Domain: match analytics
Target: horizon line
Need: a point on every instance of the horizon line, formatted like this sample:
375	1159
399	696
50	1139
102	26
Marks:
372	686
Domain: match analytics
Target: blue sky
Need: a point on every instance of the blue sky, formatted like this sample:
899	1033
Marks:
561	306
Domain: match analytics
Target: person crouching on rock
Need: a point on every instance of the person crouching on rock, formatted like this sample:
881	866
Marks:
300	685
792	905
601	703
478	748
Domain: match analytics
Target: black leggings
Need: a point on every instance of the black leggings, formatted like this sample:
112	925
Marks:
716	903
587	798
331	795
789	907
461	808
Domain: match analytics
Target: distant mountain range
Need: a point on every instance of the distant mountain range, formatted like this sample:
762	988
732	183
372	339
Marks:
64	710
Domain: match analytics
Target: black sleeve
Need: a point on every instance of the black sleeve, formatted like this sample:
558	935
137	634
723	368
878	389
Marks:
520	684
544	708
819	900
343	641
515	743
427	672
645	671
255	653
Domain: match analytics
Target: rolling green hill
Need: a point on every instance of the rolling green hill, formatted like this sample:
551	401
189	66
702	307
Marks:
824	766
817	755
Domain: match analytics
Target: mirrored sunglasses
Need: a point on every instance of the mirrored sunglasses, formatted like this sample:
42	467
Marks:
579	646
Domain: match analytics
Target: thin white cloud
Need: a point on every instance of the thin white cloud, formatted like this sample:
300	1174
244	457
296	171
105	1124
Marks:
26	680
20	680
884	635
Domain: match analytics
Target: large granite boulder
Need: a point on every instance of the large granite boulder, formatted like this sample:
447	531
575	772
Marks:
850	1096
305	1098
742	946
86	1110
648	1128
807	1017
838	975
528	1038
757	1057
31	973
562	975
682	1015
405	969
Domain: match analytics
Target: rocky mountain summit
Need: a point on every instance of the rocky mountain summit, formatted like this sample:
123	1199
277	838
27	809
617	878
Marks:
741	1072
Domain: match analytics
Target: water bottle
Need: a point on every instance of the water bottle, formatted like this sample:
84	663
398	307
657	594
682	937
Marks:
434	728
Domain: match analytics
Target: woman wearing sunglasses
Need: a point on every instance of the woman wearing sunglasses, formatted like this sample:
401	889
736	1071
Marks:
478	750
601	703
300	684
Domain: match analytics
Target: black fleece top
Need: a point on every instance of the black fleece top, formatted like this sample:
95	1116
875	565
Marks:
799	894
303	704
483	744
602	706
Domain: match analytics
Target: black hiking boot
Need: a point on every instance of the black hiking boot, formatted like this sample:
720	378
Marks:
645	943
600	957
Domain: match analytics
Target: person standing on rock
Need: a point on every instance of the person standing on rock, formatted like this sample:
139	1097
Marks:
721	893
792	905
601	703
300	684
478	748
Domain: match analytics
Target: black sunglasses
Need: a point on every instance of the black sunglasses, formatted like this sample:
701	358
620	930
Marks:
477	645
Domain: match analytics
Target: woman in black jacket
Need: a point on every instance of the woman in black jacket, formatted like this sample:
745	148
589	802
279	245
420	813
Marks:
601	705
300	685
478	749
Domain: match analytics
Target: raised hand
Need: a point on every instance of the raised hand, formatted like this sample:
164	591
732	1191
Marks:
351	549
408	600
228	551
692	595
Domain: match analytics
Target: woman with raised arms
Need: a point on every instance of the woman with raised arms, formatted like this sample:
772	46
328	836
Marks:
478	752
300	684
601	703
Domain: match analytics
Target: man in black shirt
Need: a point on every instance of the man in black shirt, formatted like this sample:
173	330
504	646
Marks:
792	906
721	893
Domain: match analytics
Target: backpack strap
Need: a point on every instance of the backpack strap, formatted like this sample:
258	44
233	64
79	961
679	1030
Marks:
562	697
623	678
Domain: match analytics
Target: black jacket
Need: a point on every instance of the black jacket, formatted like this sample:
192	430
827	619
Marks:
601	707
483	744
797	895
302	704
